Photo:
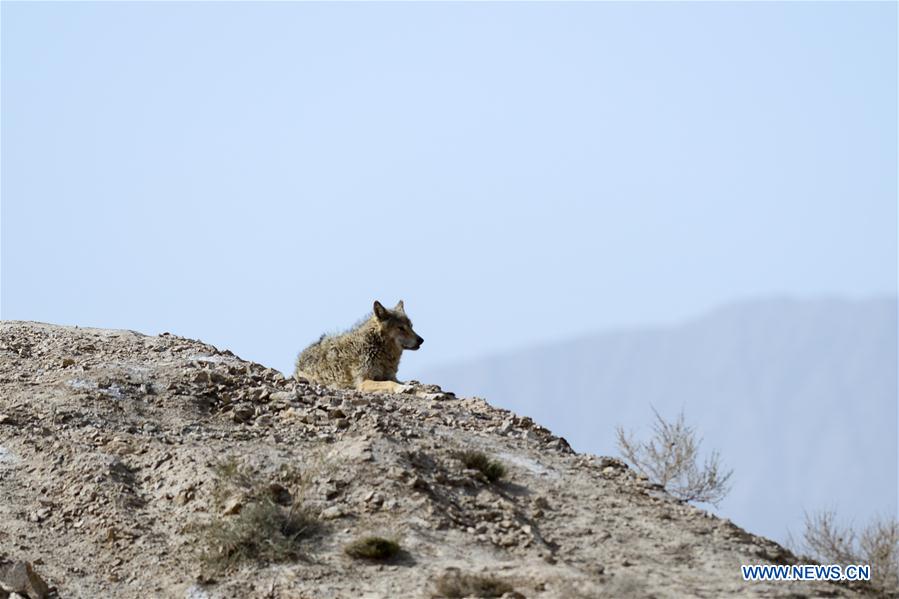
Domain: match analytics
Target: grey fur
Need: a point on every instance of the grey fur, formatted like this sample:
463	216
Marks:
368	353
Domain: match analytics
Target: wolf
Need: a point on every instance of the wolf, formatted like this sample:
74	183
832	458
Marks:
366	357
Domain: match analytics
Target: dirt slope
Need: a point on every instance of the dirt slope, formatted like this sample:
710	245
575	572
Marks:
109	442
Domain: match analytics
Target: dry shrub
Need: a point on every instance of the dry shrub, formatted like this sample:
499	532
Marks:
263	532
671	459
456	585
477	460
373	548
876	545
268	524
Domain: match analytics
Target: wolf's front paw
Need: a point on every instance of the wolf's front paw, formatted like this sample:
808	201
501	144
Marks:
385	387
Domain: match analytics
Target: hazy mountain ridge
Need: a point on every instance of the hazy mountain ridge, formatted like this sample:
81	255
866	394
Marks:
798	395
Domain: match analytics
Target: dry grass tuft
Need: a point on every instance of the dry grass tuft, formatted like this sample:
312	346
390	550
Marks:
373	548
477	460
456	585
263	532
268	524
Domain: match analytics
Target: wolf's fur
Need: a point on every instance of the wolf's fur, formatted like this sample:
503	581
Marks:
366	357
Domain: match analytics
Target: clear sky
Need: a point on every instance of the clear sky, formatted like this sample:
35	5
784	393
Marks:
253	174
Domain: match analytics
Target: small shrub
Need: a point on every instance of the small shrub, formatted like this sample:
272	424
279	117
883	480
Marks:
263	532
876	545
269	521
456	585
373	548
670	459
476	460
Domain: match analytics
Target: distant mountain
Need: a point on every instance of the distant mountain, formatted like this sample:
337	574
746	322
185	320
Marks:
800	398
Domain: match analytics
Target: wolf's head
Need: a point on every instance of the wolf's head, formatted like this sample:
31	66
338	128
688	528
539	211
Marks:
397	326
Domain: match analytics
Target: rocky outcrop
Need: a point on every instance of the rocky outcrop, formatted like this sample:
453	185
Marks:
112	445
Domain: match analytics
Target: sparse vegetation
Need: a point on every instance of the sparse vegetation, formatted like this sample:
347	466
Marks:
477	460
455	585
373	548
876	545
263	532
390	477
262	522
671	459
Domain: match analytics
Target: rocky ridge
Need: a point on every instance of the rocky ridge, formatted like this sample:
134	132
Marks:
109	441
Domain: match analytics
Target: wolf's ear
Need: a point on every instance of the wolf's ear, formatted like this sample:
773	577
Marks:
399	307
380	311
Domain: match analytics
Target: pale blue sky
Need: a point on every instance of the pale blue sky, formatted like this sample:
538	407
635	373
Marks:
254	174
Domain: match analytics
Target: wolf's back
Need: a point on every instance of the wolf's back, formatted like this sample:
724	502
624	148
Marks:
330	360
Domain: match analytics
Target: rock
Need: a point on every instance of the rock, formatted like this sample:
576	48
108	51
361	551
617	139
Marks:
435	396
243	413
120	446
283	396
396	473
232	506
20	577
39	515
330	490
185	495
258	394
332	512
217	378
419	484
529	435
280	494
608	462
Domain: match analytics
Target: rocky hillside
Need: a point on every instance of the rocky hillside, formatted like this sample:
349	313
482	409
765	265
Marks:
158	466
797	395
